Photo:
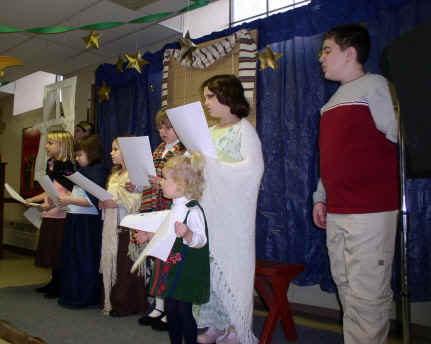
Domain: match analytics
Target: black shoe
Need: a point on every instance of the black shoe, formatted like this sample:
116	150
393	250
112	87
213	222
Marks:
45	288
114	314
146	320
158	325
52	294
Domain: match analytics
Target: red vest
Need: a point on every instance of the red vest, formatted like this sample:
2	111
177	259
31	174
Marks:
358	165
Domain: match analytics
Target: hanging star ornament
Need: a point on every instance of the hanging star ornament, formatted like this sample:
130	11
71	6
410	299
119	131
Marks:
268	58
92	40
103	92
187	48
135	62
8	61
120	63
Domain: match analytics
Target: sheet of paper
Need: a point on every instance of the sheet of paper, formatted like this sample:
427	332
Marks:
192	128
136	152
49	187
160	245
148	222
90	186
34	216
16	196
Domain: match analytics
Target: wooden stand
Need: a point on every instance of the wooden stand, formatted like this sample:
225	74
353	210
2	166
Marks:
272	280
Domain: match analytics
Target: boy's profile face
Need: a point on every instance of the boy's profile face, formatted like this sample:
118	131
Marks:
167	134
333	60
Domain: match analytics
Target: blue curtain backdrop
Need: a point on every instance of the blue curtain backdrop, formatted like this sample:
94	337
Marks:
289	100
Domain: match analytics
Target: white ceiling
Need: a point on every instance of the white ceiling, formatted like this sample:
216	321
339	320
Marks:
65	53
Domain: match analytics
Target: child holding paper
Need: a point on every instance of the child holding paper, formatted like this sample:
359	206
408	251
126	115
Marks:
184	279
80	278
59	148
124	293
153	200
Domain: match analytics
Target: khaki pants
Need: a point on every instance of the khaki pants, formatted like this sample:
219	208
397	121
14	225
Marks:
361	250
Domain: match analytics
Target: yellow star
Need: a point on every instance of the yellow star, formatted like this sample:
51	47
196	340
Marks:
120	63
187	48
92	40
103	92
268	58
135	62
8	61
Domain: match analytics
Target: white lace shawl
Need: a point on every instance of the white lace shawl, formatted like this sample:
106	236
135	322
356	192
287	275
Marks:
229	201
128	203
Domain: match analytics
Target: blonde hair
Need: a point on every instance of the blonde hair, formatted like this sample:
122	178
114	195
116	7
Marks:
65	144
188	172
162	119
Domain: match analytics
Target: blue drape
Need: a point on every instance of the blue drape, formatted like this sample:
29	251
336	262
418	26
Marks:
288	104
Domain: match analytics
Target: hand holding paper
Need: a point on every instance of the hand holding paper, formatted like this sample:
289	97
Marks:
89	186
16	196
136	152
192	128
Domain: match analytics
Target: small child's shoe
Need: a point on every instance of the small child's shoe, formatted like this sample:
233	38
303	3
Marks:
229	338
209	336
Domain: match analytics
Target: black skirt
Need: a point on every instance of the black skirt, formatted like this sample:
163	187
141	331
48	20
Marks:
81	281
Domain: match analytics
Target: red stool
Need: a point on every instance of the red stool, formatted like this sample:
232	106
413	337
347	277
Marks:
272	280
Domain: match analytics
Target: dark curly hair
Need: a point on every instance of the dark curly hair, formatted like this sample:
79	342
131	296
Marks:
229	91
351	35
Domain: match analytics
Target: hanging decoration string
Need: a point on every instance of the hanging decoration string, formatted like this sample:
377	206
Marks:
105	25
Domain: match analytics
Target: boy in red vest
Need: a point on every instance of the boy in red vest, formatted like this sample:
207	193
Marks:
357	197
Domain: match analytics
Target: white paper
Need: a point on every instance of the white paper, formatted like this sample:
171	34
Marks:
90	186
148	222
34	216
49	187
136	152
15	195
191	127
160	245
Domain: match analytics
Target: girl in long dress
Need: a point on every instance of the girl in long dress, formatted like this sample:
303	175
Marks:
80	279
124	293
230	200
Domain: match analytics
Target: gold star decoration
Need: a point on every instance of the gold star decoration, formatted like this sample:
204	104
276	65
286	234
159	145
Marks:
151	87
103	92
187	48
8	61
92	40
135	62
268	58
120	63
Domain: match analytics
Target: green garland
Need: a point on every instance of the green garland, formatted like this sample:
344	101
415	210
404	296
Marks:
104	25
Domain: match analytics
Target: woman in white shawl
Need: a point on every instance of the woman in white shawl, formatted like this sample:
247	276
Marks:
229	200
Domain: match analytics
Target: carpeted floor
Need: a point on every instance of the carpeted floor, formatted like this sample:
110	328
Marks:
30	312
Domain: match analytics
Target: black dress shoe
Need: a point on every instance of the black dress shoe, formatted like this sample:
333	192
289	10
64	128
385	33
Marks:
146	320
52	294
45	288
159	325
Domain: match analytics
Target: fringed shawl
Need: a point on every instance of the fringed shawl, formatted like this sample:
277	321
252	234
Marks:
128	203
230	200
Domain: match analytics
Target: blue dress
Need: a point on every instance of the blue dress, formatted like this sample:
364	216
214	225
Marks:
81	281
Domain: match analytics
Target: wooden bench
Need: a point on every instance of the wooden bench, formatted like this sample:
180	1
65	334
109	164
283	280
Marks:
12	335
272	280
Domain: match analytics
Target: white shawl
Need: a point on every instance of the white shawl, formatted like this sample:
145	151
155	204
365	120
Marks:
229	201
128	202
